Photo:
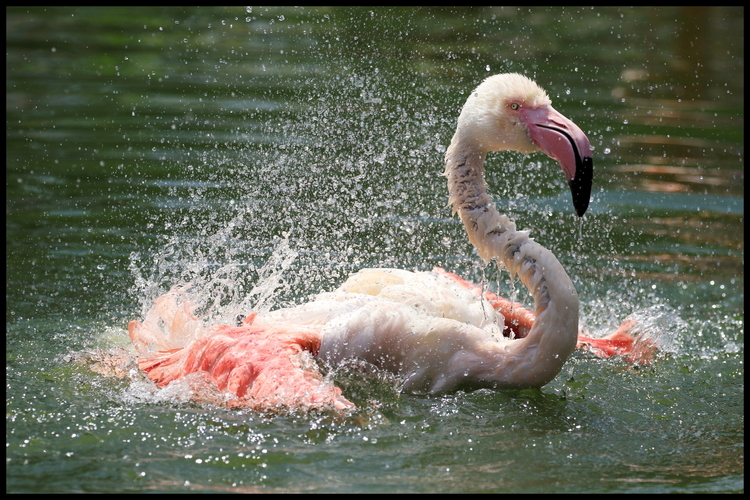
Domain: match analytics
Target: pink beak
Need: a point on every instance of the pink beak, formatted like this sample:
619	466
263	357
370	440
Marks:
564	141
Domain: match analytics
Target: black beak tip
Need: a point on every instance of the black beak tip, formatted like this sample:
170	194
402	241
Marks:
580	186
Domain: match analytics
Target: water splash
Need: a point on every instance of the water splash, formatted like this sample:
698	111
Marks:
214	273
270	279
660	325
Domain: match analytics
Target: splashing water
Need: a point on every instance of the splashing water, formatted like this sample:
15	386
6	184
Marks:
660	325
215	290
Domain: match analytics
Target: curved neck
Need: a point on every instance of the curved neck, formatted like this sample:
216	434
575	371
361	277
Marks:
467	189
555	330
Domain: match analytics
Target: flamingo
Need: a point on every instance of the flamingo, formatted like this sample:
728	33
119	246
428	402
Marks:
435	331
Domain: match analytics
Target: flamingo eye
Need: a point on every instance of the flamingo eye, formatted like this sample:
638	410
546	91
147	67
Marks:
514	106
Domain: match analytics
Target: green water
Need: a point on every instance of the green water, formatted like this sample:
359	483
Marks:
150	146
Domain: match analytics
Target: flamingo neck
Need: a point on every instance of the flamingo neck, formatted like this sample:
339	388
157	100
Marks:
552	338
469	199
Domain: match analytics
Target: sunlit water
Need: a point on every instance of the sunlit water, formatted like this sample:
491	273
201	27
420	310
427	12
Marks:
263	155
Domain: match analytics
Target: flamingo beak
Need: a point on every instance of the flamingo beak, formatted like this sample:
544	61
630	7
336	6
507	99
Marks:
564	141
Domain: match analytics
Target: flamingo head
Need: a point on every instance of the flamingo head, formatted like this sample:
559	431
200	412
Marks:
511	112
